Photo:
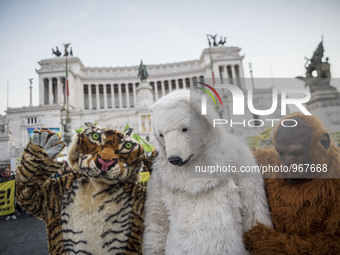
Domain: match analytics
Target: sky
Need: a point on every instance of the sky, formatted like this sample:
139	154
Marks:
275	36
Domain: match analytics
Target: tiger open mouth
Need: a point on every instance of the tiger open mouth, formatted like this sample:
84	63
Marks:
105	165
108	154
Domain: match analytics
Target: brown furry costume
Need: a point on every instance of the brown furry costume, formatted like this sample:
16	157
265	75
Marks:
306	215
96	209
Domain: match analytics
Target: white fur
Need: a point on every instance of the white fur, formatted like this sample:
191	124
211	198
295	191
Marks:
186	215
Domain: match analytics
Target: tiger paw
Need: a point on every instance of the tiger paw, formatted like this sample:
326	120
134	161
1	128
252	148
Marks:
50	141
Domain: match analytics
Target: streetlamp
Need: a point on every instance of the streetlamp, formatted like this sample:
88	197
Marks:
31	87
251	75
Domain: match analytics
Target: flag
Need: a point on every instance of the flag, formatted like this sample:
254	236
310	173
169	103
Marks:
213	76
66	80
144	178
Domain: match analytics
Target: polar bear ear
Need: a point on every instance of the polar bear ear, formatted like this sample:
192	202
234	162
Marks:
128	132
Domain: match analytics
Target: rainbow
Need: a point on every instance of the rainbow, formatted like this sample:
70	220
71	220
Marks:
209	93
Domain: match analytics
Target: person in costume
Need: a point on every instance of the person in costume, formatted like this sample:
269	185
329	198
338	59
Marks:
305	202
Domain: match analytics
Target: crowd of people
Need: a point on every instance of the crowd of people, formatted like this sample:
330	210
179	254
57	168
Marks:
8	175
5	176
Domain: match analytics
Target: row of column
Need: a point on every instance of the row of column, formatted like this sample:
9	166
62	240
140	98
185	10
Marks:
163	87
127	98
230	74
117	96
53	90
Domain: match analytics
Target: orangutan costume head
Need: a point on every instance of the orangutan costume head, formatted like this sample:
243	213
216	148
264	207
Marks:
307	145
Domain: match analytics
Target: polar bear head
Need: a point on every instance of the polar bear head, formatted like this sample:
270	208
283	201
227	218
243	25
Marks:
185	139
171	126
182	134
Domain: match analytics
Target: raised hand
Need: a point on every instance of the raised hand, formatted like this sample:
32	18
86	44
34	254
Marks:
50	141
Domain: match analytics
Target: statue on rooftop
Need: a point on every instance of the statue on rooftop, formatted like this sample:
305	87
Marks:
315	64
318	72
57	52
142	72
215	43
214	38
66	51
222	41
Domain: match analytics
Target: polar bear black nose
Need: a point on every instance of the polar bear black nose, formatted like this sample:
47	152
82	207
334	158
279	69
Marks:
175	160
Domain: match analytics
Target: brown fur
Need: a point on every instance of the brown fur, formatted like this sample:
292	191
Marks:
113	203
306	215
44	202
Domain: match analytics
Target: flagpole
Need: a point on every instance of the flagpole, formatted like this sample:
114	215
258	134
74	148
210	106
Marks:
67	88
251	76
31	87
67	123
211	66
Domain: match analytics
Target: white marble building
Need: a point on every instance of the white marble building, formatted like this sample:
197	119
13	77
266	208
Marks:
112	96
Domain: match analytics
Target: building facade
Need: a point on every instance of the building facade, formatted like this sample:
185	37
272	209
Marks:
113	96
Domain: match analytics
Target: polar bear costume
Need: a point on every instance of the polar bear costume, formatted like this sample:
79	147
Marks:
206	215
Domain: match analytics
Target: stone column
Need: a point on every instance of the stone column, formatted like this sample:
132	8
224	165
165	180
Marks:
156	90
127	94
97	97
177	84
225	75
163	89
105	96
50	94
134	95
59	91
184	82
216	74
233	74
170	86
41	91
191	86
84	100
242	85
90	96
120	96
113	102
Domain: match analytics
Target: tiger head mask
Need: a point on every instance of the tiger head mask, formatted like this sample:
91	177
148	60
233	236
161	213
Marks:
106	155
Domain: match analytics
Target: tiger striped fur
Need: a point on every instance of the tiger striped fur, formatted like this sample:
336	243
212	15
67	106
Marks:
96	209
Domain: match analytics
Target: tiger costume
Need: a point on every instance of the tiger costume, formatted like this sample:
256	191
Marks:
96	209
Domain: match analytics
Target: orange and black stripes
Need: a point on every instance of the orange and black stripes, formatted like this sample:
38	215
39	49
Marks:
40	195
69	203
